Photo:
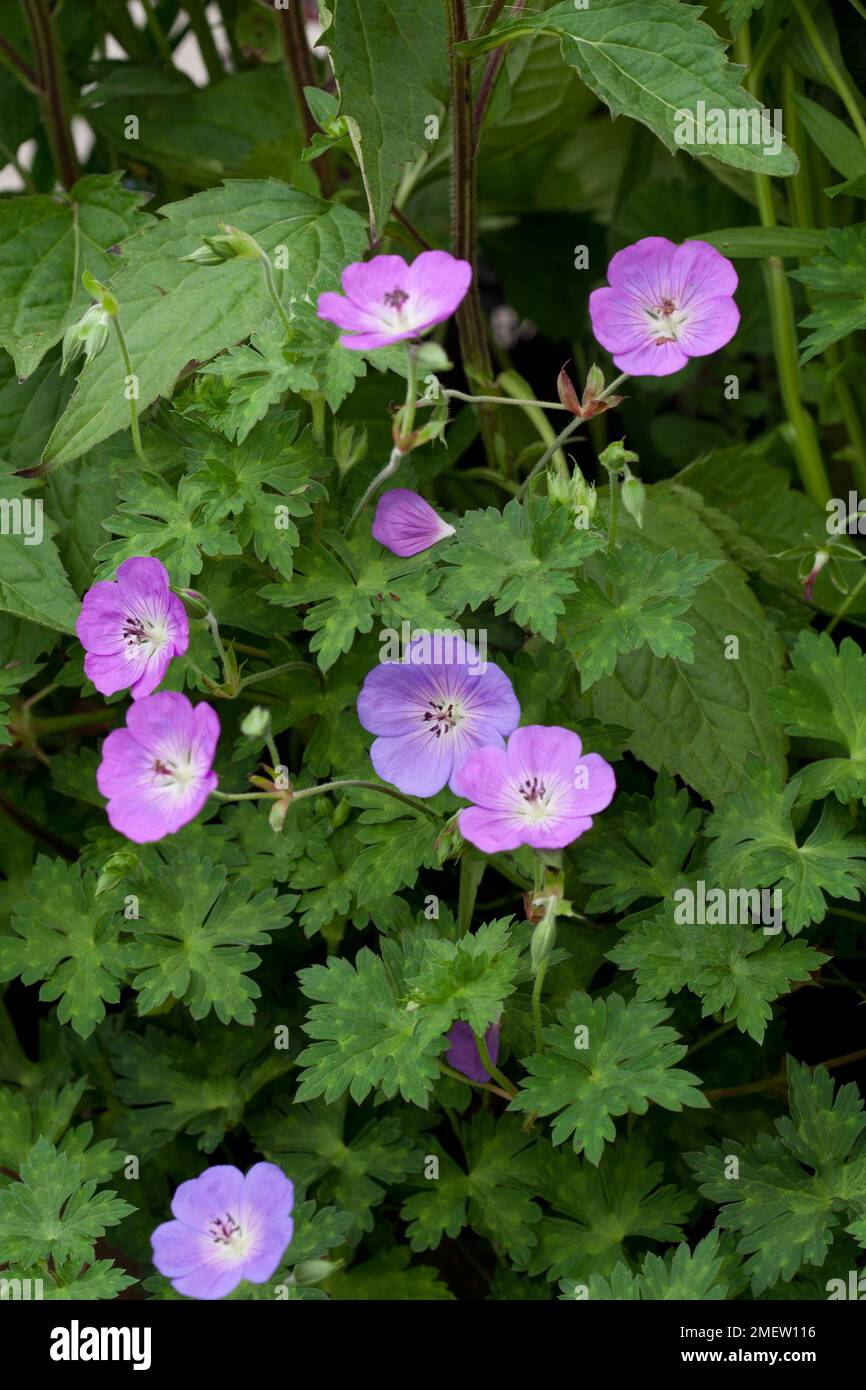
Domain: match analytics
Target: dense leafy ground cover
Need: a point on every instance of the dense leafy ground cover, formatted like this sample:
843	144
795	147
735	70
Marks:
577	1019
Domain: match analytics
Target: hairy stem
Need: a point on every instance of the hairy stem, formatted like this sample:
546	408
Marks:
133	412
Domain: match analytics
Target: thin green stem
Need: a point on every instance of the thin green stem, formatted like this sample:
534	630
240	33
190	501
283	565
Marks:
807	452
158	33
614	507
843	609
487	1063
372	787
536	1006
500	400
397	453
275	671
573	425
834	76
471	874
268	272
130	378
200	26
467	1081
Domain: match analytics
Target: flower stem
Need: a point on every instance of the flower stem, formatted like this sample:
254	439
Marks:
614	508
275	671
536	1006
372	787
843	608
407	418
133	413
807	452
470	318
467	1081
573	425
268	272
834	76
483	1053
471	874
52	102
451	394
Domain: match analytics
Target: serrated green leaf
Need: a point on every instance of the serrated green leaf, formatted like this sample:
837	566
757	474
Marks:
629	1059
824	697
836	278
50	1213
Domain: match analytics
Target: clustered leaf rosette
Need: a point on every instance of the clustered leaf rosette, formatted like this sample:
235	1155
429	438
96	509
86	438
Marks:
131	628
227	1227
664	304
405	524
432	709
157	772
386	301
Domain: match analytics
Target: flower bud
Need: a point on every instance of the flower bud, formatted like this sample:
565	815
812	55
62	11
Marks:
616	456
87	337
314	1271
229	245
118	866
634	497
257	723
820	560
101	293
340	814
277	815
543	939
350	445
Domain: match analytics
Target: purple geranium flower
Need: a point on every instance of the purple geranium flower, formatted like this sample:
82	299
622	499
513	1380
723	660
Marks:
539	791
463	1052
431	709
385	300
156	773
227	1227
131	628
406	524
665	303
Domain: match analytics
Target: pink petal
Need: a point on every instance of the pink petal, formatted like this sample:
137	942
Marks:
406	524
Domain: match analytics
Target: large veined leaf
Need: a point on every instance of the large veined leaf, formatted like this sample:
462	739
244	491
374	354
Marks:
389	59
173	311
655	60
45	244
713	711
33	582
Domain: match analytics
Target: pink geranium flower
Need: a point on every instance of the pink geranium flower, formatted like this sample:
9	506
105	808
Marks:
156	773
227	1227
406	524
537	791
131	628
431	709
664	304
385	300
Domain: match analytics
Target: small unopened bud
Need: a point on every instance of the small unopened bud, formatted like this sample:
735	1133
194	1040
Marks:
118	866
820	560
257	723
231	244
314	1271
85	338
340	814
543	939
634	497
101	293
616	456
350	445
277	815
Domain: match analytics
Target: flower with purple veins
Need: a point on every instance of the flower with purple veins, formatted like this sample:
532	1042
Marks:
156	773
430	710
227	1227
664	304
463	1053
131	628
385	300
538	791
406	524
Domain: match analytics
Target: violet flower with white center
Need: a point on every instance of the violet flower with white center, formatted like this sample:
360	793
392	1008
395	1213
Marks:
227	1227
463	1053
406	524
156	773
431	709
385	300
131	628
664	304
538	791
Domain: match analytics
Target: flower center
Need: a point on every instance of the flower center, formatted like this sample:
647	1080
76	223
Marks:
666	321
224	1230
442	715
181	770
138	631
395	299
532	789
